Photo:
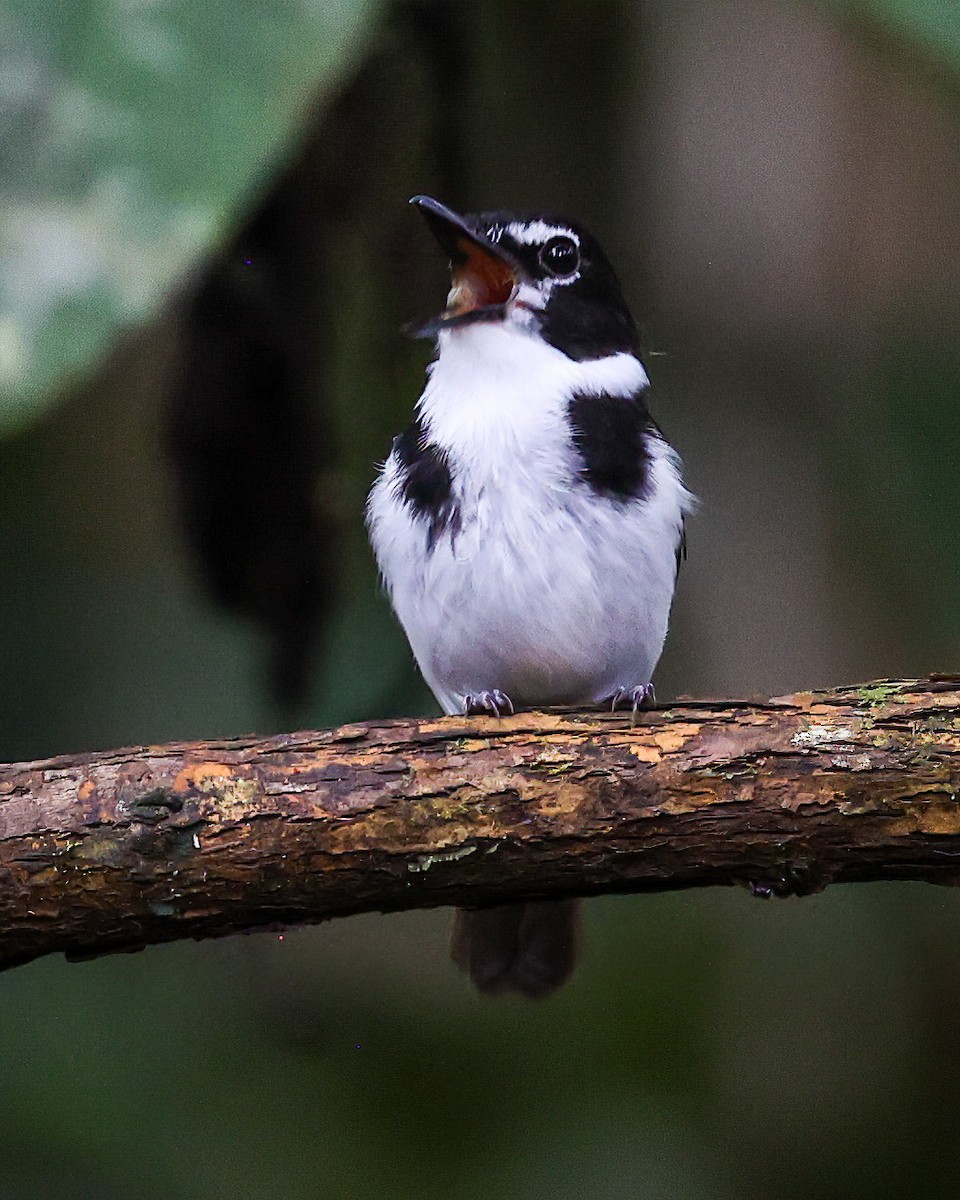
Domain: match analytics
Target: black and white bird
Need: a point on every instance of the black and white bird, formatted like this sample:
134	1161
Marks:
529	524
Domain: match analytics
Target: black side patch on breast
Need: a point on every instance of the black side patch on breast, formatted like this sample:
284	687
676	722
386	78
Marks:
610	434
425	481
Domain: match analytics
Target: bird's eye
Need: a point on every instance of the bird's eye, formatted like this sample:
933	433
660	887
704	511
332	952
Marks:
560	256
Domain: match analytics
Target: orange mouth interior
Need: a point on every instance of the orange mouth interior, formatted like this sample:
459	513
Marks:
481	280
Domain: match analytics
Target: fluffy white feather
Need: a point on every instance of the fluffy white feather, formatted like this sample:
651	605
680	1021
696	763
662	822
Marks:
546	590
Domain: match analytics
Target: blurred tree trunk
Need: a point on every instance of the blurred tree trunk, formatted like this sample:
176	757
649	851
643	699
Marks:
106	852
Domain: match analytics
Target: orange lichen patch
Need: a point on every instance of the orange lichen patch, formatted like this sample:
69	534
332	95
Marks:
470	745
232	793
198	774
676	737
435	725
647	754
525	722
202	776
86	789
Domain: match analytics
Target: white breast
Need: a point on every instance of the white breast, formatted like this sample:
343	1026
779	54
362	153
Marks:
547	591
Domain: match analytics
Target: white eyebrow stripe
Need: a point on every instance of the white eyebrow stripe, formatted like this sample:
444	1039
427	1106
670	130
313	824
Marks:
537	232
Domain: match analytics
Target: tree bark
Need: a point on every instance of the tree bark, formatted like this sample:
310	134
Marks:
112	851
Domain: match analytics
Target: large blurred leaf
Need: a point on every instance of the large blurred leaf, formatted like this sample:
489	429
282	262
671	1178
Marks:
933	25
131	131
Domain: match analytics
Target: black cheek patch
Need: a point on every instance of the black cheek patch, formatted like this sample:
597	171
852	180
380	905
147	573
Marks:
610	434
425	482
584	330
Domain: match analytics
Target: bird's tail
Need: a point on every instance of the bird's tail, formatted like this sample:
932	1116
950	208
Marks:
527	948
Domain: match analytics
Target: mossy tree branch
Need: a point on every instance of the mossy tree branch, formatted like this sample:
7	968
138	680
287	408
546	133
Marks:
106	852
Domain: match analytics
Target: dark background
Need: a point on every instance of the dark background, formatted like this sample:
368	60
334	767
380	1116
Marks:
205	259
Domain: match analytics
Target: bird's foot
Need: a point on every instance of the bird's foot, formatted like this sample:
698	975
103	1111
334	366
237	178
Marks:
493	703
639	697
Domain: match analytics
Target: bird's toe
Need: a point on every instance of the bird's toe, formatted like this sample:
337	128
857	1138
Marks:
642	696
492	703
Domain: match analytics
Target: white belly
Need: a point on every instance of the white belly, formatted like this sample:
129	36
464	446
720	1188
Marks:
547	591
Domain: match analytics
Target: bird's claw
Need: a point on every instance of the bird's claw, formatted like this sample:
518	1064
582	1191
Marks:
639	697
493	703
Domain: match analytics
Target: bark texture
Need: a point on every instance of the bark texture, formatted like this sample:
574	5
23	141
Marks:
113	851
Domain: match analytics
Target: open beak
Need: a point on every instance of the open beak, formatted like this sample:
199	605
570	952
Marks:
484	276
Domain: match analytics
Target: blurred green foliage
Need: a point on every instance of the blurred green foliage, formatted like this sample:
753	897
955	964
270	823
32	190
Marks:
132	133
932	25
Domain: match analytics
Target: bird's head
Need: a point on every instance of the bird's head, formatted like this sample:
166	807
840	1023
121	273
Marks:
538	273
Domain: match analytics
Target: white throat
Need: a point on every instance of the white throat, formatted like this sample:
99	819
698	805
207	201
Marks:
504	380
